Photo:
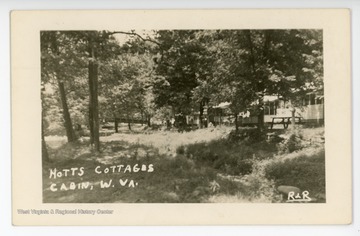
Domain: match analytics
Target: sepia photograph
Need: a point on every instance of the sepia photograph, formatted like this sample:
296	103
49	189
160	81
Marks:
183	116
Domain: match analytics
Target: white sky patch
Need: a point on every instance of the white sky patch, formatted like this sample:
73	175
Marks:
123	38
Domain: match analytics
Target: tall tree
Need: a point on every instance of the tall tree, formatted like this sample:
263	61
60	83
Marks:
45	154
128	86
98	47
294	65
229	74
53	45
93	92
182	64
275	62
249	64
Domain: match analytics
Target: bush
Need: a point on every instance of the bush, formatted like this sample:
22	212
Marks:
180	150
293	143
244	167
249	135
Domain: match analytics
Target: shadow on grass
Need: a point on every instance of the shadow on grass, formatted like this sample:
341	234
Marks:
136	169
129	173
228	157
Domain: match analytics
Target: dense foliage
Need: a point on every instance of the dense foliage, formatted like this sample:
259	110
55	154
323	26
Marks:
94	76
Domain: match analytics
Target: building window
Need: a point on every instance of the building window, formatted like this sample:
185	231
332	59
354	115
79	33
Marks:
312	99
319	100
270	108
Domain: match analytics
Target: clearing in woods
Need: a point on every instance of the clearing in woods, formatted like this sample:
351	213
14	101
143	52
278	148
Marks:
206	165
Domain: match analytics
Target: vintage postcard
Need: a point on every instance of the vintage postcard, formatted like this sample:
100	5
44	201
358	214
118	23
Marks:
181	117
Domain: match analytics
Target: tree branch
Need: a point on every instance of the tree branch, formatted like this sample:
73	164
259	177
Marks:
137	35
145	40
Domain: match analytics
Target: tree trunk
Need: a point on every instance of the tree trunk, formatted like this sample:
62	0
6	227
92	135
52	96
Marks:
236	123
148	119
67	119
201	110
91	95
45	154
220	122
93	102
252	56
91	120
261	119
116	124
129	122
293	118
142	118
261	114
253	68
206	123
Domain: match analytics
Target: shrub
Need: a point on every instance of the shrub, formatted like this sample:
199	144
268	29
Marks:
249	135
244	167
233	165
264	149
291	144
275	139
180	150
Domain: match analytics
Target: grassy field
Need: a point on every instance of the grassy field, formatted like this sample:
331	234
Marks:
207	165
